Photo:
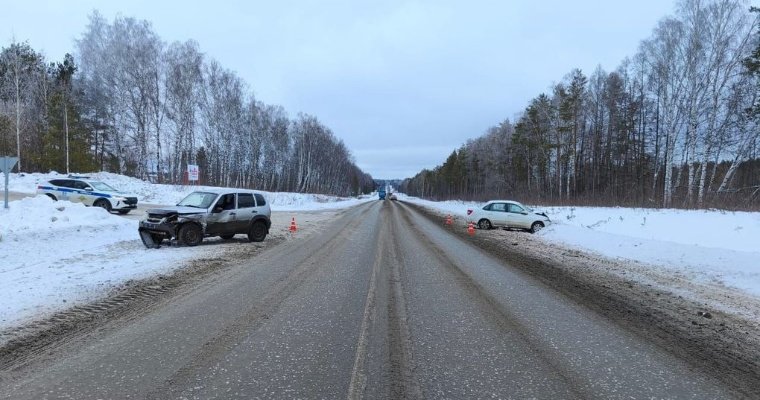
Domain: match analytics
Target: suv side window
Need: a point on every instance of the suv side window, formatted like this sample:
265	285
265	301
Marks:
226	201
260	201
78	185
245	200
58	182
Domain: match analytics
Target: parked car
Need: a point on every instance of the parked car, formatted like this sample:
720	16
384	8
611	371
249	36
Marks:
222	212
82	189
507	214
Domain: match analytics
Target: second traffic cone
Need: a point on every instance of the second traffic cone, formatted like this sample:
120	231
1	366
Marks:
471	229
448	219
293	227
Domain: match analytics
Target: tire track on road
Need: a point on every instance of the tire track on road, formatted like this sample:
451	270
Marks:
404	384
494	311
216	347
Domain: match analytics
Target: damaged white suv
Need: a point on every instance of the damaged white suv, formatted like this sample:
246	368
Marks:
208	212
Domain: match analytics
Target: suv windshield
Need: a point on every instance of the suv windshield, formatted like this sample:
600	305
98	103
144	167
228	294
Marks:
102	186
198	200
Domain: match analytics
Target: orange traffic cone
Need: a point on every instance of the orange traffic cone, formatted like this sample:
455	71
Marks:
448	219
293	227
471	229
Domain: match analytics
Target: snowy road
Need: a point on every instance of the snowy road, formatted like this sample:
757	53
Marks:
381	304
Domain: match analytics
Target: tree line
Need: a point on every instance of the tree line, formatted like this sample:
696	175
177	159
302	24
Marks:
128	102
675	125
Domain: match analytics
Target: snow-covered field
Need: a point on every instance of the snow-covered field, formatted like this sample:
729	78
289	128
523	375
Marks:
706	245
54	255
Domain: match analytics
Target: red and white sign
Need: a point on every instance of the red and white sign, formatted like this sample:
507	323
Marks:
192	173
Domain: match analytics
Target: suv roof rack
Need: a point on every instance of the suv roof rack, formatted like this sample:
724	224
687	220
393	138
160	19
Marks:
78	176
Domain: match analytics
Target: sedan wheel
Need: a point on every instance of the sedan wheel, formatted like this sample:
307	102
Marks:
537	226
484	224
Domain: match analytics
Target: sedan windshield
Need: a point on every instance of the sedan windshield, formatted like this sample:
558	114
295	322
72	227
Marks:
198	200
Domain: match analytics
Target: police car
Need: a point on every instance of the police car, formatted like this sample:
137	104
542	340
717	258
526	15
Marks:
81	189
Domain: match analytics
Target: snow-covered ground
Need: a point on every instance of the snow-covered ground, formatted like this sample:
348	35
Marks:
54	255
706	245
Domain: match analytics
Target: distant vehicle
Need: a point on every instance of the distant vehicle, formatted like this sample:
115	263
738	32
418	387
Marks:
221	212
381	194
393	196
507	214
82	189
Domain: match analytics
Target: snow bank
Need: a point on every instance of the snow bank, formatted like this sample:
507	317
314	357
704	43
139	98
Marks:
54	255
160	194
708	245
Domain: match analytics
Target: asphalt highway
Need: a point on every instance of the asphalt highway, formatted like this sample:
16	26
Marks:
380	304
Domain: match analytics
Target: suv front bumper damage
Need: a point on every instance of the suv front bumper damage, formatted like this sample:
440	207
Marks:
152	234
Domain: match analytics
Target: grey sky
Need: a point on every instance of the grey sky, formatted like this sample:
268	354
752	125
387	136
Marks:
402	83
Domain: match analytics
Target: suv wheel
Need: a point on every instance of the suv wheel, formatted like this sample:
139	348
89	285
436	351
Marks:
257	232
190	234
103	203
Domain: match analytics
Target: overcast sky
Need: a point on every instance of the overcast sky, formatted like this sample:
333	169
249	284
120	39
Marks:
402	83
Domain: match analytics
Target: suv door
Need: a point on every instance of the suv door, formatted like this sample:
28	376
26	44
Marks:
222	217
80	193
245	213
65	189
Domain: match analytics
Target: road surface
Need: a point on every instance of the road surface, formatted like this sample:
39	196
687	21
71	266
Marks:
381	304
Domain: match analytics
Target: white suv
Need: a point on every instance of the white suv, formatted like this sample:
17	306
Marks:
80	189
507	214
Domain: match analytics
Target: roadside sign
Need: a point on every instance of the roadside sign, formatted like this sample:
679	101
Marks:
192	172
6	165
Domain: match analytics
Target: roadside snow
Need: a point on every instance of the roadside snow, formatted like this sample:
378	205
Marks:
57	254
54	255
707	245
152	193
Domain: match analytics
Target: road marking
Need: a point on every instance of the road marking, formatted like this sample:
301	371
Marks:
358	377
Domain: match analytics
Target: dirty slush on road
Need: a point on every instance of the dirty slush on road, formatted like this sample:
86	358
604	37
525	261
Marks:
137	297
713	328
